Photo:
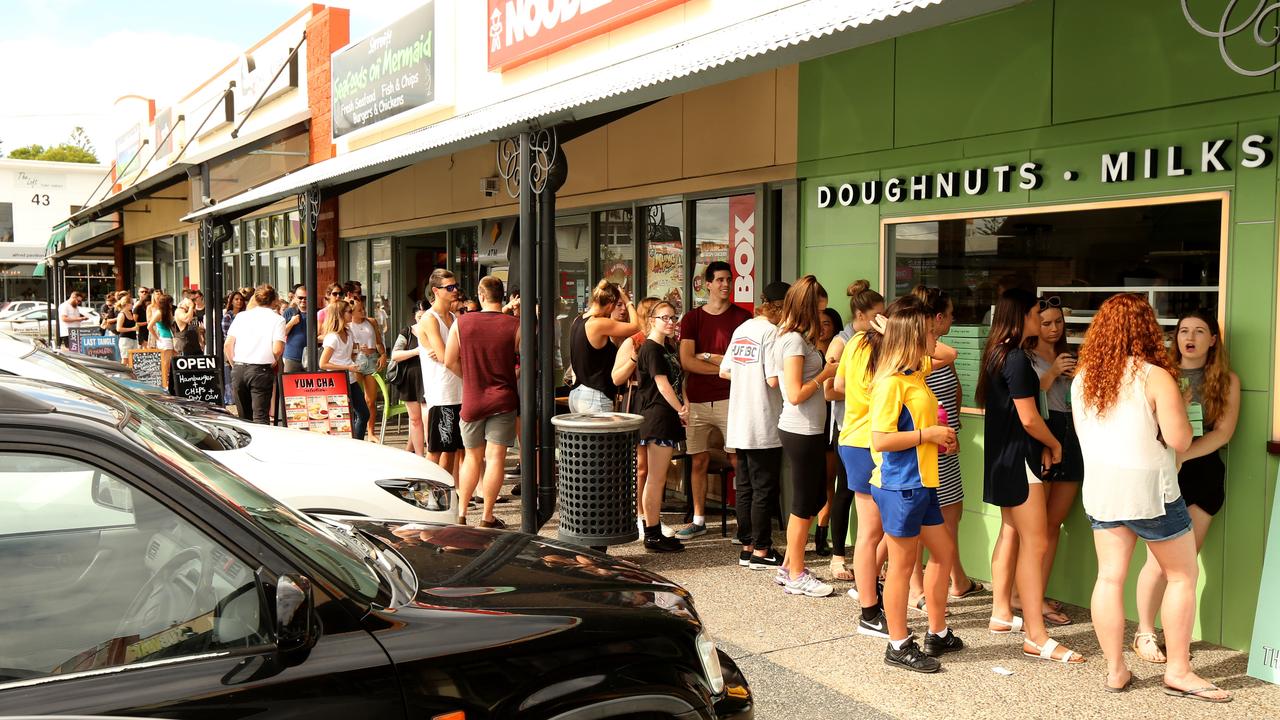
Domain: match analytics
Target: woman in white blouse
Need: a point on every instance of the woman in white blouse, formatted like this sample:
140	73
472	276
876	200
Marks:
1131	420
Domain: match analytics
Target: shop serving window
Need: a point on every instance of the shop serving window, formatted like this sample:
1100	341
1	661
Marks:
1168	249
662	230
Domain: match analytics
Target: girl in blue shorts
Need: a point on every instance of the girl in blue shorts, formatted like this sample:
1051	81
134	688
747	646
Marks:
905	441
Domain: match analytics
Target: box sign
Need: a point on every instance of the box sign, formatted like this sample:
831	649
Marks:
523	30
742	248
388	73
1129	166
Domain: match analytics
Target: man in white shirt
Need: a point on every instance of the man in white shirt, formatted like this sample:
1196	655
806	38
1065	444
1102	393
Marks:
254	345
69	316
751	366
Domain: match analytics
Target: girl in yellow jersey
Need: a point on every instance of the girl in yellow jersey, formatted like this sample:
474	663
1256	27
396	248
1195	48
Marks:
905	441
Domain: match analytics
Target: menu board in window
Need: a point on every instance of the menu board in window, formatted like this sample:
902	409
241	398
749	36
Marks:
317	402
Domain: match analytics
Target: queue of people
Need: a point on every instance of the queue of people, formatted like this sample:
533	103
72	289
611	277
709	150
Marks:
1109	423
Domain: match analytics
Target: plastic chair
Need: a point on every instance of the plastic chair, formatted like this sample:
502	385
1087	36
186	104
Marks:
388	410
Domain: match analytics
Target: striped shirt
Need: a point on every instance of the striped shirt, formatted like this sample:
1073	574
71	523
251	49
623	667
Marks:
945	385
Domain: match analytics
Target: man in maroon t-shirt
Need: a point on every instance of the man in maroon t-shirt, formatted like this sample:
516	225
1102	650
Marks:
704	338
482	349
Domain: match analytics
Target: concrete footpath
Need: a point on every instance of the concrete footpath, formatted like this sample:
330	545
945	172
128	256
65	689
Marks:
804	659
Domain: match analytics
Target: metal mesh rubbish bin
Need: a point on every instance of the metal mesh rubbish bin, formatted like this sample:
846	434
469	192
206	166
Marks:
597	482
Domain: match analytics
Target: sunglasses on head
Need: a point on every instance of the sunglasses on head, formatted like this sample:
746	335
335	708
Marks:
451	287
1053	301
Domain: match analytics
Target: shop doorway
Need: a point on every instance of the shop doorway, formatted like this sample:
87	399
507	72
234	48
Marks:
416	258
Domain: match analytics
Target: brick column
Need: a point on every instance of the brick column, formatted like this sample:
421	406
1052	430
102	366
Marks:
328	31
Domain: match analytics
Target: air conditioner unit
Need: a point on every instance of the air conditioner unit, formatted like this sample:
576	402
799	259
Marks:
490	186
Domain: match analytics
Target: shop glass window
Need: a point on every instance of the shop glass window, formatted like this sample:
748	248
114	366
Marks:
662	227
264	268
230	273
233	245
143	266
6	222
615	237
293	229
250	235
377	293
277	231
1168	252
357	262
713	223
164	264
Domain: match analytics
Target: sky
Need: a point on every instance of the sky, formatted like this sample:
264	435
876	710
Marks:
63	63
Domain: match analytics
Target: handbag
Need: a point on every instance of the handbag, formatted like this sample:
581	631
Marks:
405	341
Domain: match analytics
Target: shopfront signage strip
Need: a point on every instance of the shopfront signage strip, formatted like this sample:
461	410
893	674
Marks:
1117	167
388	73
742	245
524	30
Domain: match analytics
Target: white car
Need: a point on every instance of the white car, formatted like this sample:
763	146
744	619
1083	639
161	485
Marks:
13	307
34	322
310	472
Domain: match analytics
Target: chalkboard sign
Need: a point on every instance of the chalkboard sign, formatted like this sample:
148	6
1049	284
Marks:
148	366
106	347
196	378
76	335
317	402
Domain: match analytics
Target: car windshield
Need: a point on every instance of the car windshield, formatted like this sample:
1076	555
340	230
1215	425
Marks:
150	411
309	539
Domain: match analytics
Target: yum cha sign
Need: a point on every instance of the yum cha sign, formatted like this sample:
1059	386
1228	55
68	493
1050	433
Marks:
1212	156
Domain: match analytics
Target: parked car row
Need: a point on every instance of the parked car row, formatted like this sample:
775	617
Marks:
162	565
33	322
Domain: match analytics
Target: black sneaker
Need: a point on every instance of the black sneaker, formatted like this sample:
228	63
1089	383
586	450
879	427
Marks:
770	559
876	627
910	658
935	646
744	558
663	545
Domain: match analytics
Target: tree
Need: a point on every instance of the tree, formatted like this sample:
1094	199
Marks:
79	149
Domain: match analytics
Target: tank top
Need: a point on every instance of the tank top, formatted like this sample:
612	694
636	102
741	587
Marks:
164	330
593	367
187	342
488	357
1128	473
129	320
439	385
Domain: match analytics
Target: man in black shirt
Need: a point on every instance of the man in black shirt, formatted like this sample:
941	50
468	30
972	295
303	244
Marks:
140	314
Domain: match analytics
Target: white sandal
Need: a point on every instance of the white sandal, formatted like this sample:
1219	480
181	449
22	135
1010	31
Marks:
1014	625
1046	653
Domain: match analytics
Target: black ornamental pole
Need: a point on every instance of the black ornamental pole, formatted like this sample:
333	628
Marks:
548	307
308	215
528	347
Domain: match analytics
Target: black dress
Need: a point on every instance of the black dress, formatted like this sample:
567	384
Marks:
1008	450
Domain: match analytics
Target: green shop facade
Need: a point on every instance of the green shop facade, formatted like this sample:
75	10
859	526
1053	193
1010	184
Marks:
1076	148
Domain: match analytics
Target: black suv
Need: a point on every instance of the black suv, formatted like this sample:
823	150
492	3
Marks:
140	577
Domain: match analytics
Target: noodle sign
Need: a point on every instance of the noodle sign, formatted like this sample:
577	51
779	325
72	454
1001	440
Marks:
317	402
196	378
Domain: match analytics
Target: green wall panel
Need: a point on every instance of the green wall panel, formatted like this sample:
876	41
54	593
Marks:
838	225
847	103
836	266
961	202
1255	197
1244	519
1165	62
1251	296
987	75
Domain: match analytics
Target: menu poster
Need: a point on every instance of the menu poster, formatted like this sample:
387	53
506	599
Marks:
196	378
148	366
106	347
317	402
76	335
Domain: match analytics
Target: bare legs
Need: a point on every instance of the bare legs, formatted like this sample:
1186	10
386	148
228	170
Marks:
698	476
469	476
370	387
904	553
866	569
642	473
951	515
1060	498
416	435
1151	587
658	457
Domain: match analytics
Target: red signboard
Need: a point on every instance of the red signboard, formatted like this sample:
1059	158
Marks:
317	402
742	244
522	30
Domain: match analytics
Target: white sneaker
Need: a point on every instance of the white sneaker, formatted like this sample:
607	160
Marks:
668	531
808	585
853	594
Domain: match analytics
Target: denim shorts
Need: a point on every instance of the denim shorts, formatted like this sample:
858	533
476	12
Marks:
660	442
858	467
904	512
1175	522
583	399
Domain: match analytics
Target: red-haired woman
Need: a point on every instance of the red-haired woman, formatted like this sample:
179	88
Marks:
1201	357
1132	421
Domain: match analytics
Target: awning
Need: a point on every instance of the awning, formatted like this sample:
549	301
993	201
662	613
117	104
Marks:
160	180
799	32
81	239
59	234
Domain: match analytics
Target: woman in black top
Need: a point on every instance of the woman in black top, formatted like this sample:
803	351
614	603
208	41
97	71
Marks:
593	339
1018	450
665	414
404	353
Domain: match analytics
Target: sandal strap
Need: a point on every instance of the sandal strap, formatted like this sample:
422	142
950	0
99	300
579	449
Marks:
1149	635
1046	651
1014	624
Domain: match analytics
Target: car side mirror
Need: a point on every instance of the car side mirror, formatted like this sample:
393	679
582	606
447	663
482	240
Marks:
294	629
111	493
